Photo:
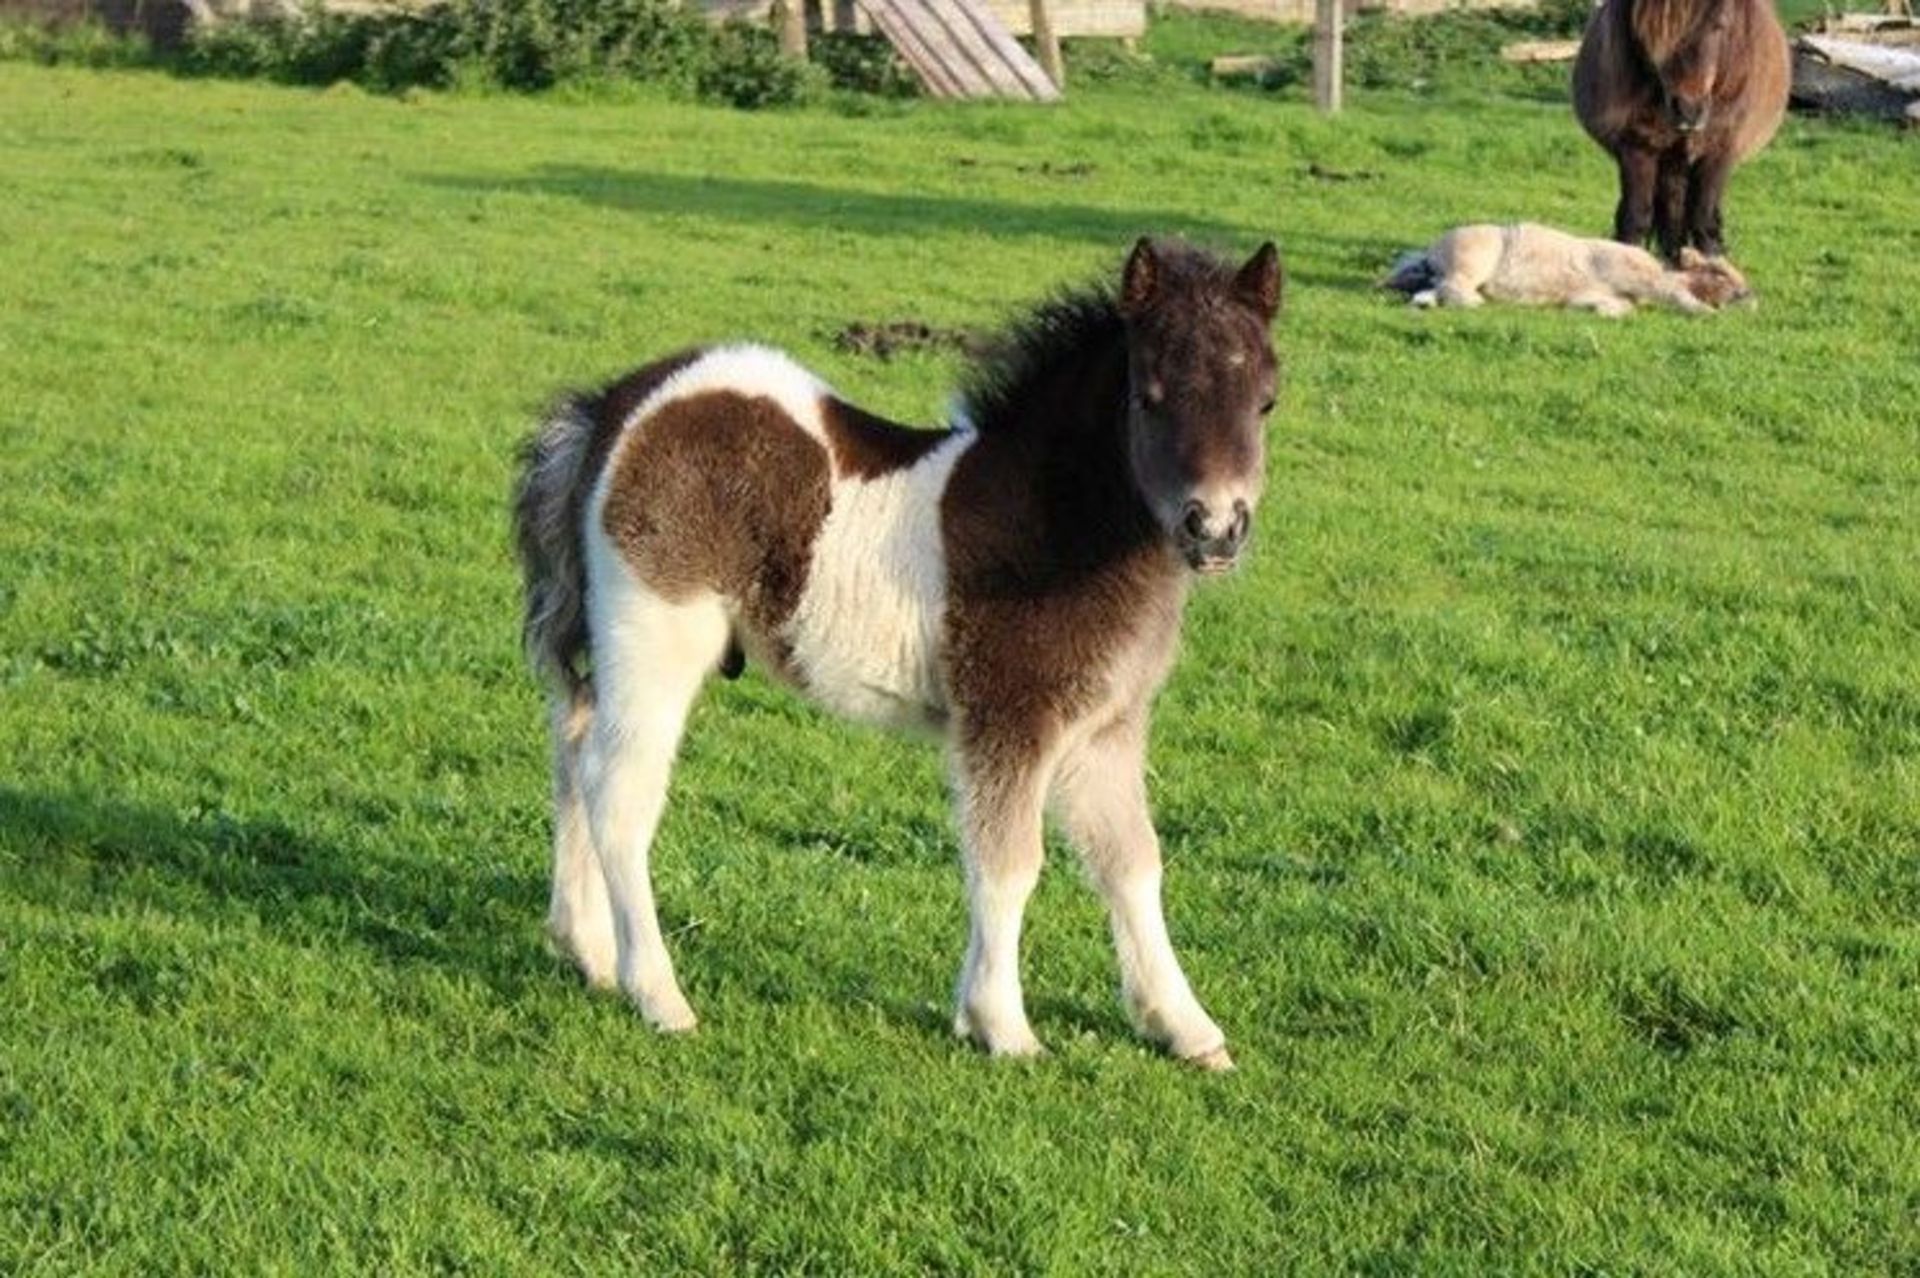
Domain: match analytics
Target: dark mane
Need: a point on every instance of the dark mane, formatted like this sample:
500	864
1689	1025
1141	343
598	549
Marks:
1064	336
1034	349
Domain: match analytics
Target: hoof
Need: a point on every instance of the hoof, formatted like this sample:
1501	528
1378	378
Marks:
670	1015
1214	1062
1018	1043
684	1022
595	964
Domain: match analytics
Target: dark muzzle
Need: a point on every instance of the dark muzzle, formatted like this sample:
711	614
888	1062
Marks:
1689	115
1211	540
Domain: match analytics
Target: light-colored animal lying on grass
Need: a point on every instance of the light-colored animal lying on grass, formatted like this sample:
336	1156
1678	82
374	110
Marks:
1539	266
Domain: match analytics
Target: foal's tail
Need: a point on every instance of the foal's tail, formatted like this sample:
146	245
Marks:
1412	272
549	504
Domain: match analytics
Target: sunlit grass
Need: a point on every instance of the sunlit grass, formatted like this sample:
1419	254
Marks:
1542	802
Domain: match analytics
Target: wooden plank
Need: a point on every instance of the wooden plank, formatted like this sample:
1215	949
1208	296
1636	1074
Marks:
1028	74
1540	51
918	52
959	49
967	38
1113	18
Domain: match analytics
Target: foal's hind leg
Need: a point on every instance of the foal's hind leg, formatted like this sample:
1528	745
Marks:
579	916
1101	799
650	657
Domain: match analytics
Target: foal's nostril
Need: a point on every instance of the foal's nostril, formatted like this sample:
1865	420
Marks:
1195	521
1242	523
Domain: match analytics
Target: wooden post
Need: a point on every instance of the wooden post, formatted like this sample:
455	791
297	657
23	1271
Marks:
1046	44
1328	17
790	18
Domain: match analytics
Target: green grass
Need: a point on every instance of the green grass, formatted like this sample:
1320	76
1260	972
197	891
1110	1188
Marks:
1543	801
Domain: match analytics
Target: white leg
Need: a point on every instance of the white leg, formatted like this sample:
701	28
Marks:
650	658
1101	799
1611	305
1000	834
579	916
1455	292
1681	298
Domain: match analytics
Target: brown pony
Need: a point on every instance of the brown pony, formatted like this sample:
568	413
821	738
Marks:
1679	92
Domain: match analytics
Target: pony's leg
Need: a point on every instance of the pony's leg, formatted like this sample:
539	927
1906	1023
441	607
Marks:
1634	217
1679	297
1670	203
1611	305
1000	805
1454	292
1100	797
579	916
1704	229
650	659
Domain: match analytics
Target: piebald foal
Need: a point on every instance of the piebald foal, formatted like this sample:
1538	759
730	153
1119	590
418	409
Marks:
1014	582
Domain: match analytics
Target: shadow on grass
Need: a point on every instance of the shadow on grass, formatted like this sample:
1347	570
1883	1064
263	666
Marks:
79	855
761	201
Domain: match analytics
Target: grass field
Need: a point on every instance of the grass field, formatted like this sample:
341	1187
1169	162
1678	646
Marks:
1542	802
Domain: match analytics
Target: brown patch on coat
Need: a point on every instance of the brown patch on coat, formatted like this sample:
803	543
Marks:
1064	587
558	467
870	446
1056	570
722	492
1037	641
610	407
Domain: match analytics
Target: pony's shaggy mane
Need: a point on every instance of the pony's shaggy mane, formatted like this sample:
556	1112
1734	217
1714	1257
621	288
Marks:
1034	349
1073	326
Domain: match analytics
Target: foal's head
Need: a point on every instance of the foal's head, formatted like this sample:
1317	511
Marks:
1714	280
1201	380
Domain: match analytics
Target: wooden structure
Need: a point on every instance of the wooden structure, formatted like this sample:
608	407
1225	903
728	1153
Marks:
1113	19
1855	76
959	49
1329	19
1303	11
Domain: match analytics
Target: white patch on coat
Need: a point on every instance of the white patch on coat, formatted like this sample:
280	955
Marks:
866	635
758	372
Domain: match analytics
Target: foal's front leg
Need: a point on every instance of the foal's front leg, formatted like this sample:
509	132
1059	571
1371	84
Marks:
1101	798
1000	803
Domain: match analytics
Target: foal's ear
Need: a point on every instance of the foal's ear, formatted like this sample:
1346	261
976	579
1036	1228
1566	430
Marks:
1259	281
1140	280
1691	258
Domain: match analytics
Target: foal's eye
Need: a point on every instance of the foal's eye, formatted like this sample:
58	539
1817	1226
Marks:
1266	408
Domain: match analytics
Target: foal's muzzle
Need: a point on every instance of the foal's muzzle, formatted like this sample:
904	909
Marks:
1210	538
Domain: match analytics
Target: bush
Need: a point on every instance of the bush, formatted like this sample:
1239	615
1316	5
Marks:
1459	48
514	44
86	44
535	44
863	64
